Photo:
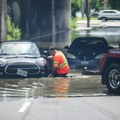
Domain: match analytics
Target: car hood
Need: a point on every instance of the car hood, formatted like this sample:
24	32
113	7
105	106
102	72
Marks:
86	48
19	56
13	59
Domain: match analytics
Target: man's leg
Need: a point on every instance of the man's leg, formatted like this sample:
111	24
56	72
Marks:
59	75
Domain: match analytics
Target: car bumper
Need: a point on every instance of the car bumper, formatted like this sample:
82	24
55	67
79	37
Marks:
26	70
91	66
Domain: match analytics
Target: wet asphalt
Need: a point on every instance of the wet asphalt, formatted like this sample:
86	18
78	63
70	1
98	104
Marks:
74	85
77	97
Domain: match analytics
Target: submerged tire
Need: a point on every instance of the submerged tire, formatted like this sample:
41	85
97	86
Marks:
112	76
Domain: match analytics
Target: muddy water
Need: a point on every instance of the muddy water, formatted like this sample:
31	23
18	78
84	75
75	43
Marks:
111	34
51	87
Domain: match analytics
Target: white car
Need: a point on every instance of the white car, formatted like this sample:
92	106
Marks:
109	15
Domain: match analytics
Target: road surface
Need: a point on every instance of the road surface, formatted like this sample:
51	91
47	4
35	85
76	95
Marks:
74	108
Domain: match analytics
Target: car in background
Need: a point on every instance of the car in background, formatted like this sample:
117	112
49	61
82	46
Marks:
109	15
94	14
84	53
21	59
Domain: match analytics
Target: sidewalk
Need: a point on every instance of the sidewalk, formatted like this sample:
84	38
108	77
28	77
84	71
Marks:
82	24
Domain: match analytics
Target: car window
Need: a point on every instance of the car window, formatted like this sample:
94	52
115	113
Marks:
19	48
90	45
109	12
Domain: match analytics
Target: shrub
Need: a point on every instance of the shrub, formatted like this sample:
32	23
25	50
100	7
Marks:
73	23
13	32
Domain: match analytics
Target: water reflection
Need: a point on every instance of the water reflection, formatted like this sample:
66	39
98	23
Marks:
50	87
112	34
62	86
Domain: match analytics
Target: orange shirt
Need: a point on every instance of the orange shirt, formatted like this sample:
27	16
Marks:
61	63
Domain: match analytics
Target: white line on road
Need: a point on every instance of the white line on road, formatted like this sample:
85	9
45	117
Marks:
24	107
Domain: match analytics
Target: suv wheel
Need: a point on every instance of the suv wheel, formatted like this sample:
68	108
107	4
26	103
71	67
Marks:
112	76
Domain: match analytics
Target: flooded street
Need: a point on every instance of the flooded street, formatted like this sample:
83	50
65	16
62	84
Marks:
75	97
110	30
74	85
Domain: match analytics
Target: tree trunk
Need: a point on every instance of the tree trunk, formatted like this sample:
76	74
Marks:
3	20
88	13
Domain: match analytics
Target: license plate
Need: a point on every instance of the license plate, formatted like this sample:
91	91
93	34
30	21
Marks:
22	72
84	62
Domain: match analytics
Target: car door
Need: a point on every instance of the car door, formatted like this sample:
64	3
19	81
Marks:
114	15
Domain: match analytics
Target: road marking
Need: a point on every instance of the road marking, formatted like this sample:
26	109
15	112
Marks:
24	107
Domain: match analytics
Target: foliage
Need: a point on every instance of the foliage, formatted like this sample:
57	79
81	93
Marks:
115	4
73	23
13	32
76	6
95	4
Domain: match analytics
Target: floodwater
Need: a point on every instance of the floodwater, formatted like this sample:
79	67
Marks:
75	85
111	34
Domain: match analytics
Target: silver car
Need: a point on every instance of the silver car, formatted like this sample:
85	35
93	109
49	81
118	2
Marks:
109	15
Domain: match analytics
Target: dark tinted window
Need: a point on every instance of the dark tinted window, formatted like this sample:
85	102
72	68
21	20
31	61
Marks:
88	45
109	12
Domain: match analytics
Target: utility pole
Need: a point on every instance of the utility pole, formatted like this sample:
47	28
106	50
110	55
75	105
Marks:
83	8
53	23
88	12
3	20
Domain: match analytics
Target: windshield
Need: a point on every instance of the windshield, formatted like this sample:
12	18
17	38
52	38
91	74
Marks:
88	45
19	48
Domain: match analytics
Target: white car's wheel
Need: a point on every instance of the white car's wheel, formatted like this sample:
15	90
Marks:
104	19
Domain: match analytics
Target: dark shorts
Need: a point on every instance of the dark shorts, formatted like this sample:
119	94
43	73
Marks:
59	75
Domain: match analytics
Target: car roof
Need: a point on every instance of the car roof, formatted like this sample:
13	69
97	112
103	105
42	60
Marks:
90	38
109	10
17	41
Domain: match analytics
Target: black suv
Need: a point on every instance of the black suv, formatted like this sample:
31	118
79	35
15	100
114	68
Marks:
84	53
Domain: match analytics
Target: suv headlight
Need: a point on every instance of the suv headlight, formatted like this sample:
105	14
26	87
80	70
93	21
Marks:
2	62
100	56
71	56
41	61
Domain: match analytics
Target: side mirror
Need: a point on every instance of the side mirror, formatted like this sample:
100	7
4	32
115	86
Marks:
46	53
66	47
110	47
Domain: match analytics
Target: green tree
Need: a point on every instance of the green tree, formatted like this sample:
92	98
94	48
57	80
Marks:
13	32
115	4
79	5
95	4
76	6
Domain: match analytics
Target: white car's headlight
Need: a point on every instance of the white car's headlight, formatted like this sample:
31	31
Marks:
41	61
2	62
69	55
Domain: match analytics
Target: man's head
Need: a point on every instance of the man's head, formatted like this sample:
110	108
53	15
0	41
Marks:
52	51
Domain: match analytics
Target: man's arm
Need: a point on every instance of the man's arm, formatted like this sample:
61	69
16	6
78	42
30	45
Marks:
52	73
